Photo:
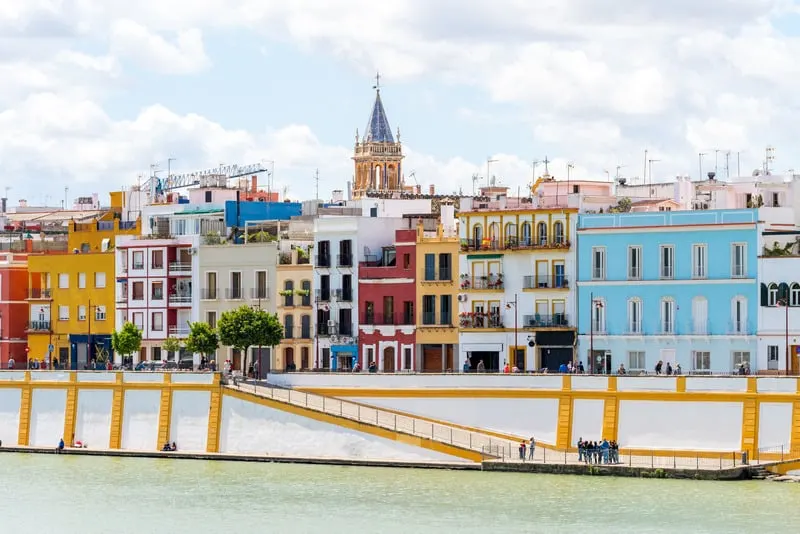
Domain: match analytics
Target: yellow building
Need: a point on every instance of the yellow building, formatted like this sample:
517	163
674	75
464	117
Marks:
437	289
98	236
295	294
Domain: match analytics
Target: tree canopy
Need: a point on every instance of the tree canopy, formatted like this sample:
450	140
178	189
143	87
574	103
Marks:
202	339
246	327
127	340
171	344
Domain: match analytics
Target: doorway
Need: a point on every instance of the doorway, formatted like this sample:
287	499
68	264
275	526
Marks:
490	359
553	357
304	355
388	360
288	358
600	362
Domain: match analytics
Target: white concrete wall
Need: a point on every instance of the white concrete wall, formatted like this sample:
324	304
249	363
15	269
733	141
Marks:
47	417
9	416
93	418
250	428
775	425
189	420
415	381
587	420
140	420
680	425
97	376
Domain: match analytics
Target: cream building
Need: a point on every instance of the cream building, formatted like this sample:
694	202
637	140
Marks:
294	297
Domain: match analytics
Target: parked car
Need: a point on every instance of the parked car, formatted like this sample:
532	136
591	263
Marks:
169	366
186	364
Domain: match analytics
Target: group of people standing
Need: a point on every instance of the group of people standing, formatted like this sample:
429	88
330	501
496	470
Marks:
598	452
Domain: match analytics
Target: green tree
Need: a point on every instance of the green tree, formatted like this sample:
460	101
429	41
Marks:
171	344
127	340
247	327
202	339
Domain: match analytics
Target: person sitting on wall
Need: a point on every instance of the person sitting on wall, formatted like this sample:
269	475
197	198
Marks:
357	367
166	447
174	447
372	367
60	447
466	367
621	370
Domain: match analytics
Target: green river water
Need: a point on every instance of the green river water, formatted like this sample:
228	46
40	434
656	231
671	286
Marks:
91	495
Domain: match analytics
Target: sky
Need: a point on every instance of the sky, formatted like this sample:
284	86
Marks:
93	93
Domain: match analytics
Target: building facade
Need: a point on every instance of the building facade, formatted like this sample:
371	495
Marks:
386	303
14	286
678	287
71	308
437	291
516	270
294	296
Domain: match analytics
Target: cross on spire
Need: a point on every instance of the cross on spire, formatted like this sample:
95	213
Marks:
377	81
546	162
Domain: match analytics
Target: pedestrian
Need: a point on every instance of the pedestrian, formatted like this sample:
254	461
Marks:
522	450
531	449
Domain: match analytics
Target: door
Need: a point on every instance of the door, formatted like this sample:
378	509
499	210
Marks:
288	358
432	359
388	360
304	363
479	275
519	358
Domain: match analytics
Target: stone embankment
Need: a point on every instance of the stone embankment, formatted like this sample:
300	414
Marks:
783	478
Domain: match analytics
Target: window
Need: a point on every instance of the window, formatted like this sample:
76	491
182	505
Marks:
635	316
261	285
700	316
772	295
635	263
699	261
541	234
369	312
81	313
211	286
208	196
346	321
446	267
138	291
81	280
445	309
138	320
701	361
347	287
288	293
99	280
430	267
558	232
211	319
138	259
156	354
598	263
288	326
305	327
407	358
157	291
739	315
667	262
63	313
63	281
667	316
157	259
157	321
408	312
636	360
738	260
306	299
429	309
406	261
794	295
525	234
100	313
599	316
740	357
773	357
235	291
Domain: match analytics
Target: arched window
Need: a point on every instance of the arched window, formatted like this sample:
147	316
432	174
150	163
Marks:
772	295
794	295
635	316
288	293
477	236
305	327
525	234
288	326
494	234
511	235
558	232
541	234
306	299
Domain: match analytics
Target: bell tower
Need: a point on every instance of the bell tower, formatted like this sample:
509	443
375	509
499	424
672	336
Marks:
377	155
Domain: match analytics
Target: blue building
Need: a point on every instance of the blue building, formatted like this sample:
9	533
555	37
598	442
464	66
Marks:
671	286
239	213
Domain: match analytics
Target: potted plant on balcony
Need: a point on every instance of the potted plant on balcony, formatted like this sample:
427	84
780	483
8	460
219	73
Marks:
465	283
286	292
464	245
302	292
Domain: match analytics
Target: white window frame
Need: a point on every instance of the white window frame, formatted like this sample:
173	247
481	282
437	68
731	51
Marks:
737	358
739	321
558	232
160	315
81	280
599	315
63	280
772	295
699	328
705	357
266	284
99	313
241	285
133	292
138	266
699	261
666	270
742	272
81	313
99	280
635	323
667	308
635	271
63	313
208	287
637	360
599	271
773	357
794	295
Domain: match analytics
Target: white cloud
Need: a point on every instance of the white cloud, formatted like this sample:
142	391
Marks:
133	40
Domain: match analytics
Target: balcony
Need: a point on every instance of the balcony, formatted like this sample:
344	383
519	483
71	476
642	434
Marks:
38	326
429	276
259	293
381	319
286	259
300	333
545	282
180	268
493	282
37	293
209	293
179	331
323	260
480	320
233	293
633	328
740	328
343	295
323	295
326	329
180	299
344	260
513	243
557	320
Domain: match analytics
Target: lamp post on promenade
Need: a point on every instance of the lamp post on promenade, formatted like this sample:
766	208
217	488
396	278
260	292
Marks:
594	306
785	303
516	330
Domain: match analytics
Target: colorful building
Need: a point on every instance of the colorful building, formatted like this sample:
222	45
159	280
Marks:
386	301
437	291
678	287
13	308
71	307
295	296
517	263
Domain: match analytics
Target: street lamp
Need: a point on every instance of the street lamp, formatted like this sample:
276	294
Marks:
516	330
785	303
594	305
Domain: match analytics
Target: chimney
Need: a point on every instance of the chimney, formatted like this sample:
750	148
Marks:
433	189
253	184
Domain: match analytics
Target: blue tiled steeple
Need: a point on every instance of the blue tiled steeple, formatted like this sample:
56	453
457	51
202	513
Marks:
378	129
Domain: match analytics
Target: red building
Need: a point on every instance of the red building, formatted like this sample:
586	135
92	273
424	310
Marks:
13	308
386	297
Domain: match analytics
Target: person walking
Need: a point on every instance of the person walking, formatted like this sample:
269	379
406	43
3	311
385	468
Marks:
531	448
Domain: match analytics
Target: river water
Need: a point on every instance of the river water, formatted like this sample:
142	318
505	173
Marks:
89	495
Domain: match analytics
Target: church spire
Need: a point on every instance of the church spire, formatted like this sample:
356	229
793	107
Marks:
378	129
